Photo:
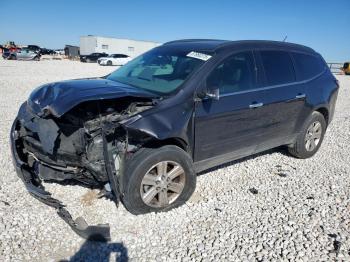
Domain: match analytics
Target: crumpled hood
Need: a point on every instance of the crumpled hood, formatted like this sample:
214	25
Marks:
59	97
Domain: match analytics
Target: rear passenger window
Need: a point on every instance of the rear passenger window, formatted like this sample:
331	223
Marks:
307	66
278	67
234	74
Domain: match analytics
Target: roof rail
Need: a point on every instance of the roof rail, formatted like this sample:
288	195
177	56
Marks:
267	42
191	40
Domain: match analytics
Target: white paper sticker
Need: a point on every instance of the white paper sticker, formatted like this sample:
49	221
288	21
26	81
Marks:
200	56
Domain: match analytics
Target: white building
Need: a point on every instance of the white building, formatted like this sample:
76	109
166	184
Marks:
98	44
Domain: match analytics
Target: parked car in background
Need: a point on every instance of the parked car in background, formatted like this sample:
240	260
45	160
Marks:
92	57
45	51
346	68
146	129
114	59
7	54
58	52
33	48
25	54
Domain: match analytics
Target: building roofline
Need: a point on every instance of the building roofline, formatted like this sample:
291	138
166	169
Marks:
121	38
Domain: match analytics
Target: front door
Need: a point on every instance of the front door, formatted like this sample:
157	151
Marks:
231	126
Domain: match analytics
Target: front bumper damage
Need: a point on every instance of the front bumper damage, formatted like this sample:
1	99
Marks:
33	184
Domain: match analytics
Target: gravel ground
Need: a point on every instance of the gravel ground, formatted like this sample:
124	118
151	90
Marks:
266	207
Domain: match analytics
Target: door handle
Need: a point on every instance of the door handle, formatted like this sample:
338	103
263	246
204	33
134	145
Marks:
299	96
256	105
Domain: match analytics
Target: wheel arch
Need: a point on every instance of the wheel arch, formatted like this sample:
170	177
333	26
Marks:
175	141
324	111
144	139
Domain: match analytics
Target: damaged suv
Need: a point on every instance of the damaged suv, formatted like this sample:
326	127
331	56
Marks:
141	133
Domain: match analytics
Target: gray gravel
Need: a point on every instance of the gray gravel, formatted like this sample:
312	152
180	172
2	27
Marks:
267	207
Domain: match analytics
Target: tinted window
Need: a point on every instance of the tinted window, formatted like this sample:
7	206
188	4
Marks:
278	67
234	74
346	65
307	66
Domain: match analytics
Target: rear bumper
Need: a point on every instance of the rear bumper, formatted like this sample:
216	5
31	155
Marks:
35	188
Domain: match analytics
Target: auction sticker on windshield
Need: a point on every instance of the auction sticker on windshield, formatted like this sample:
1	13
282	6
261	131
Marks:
198	55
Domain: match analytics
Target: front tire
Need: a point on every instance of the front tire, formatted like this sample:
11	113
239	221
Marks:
109	63
310	138
158	179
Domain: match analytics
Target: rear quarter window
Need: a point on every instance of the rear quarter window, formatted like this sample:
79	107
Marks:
307	66
278	67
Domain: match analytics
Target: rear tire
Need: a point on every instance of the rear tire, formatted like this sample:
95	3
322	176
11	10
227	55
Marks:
310	138
148	188
36	58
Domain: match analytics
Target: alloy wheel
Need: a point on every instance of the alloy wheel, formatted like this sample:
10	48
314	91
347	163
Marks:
313	136
162	184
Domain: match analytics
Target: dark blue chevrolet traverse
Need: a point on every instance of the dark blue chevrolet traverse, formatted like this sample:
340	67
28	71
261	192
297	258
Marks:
141	133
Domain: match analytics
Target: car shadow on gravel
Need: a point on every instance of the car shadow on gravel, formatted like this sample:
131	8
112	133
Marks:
100	251
282	150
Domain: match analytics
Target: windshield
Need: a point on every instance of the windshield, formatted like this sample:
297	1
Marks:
160	70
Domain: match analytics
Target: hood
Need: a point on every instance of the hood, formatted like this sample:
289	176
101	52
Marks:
58	98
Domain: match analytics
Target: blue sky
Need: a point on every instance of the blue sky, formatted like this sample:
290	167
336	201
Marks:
321	24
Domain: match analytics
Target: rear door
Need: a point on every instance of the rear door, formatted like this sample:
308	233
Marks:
230	127
284	98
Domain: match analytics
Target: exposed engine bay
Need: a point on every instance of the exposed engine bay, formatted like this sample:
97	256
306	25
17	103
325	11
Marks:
70	148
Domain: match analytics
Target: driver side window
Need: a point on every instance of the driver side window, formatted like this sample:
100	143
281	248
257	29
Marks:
234	74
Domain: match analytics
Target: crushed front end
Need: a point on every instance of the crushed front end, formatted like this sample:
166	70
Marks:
85	146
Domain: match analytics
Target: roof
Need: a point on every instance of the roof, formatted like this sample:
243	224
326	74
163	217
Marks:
218	45
197	44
